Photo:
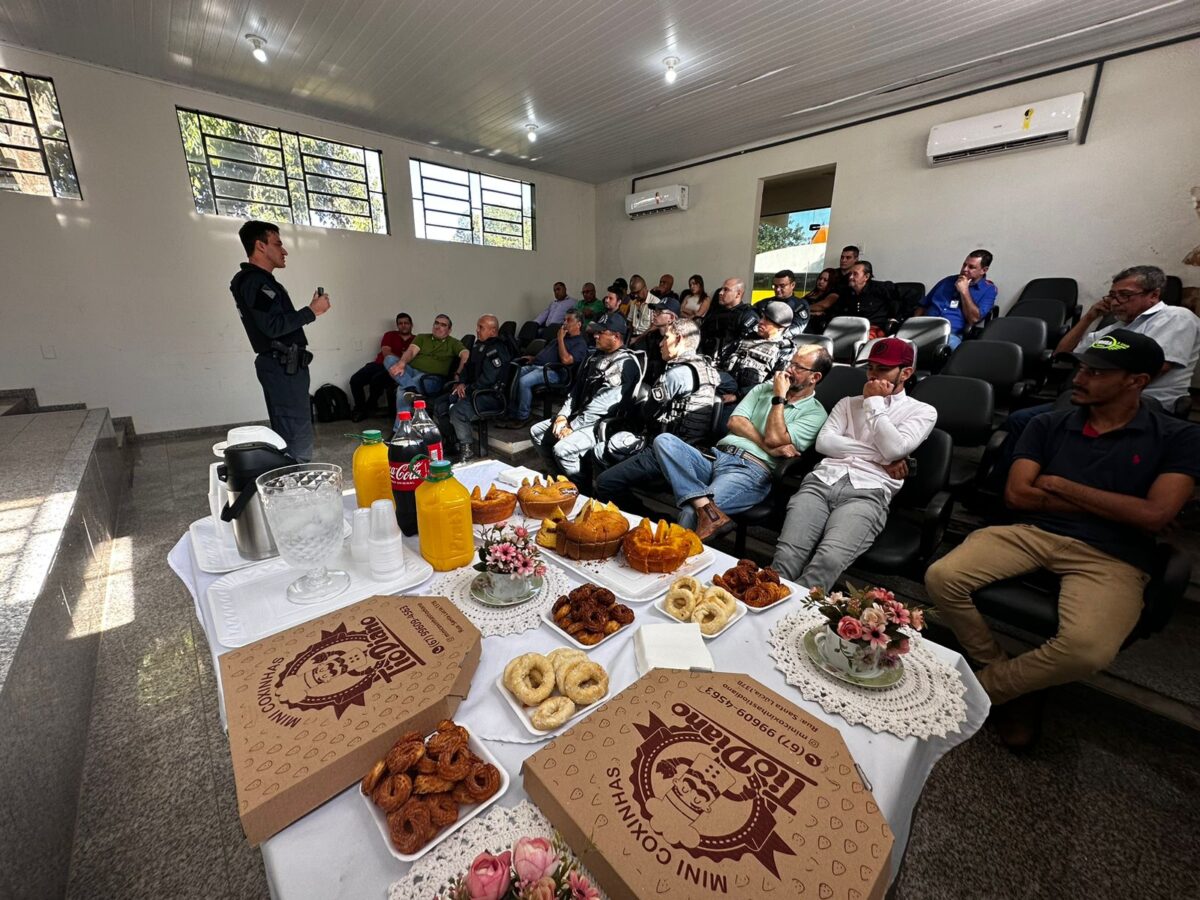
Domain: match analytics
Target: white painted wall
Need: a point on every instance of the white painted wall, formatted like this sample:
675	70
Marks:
1081	211
130	286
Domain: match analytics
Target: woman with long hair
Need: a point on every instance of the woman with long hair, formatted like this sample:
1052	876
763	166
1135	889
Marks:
695	301
821	298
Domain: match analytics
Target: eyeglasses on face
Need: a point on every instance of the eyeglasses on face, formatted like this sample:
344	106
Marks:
1123	295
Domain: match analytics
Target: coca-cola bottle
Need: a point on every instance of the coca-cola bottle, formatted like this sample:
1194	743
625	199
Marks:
406	455
427	430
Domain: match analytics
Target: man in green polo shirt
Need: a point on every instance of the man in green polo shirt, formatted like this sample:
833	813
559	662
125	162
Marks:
428	363
777	419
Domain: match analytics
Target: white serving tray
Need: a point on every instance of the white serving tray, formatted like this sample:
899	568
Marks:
548	618
215	548
465	813
661	605
522	712
797	591
252	603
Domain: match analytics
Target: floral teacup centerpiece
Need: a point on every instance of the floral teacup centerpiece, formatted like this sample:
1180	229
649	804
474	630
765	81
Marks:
865	633
512	561
536	868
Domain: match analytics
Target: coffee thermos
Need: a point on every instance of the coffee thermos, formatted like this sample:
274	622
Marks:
243	464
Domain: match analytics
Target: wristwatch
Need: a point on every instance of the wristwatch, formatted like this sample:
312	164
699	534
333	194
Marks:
776	400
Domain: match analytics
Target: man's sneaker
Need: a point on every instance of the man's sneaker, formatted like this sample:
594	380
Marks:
711	522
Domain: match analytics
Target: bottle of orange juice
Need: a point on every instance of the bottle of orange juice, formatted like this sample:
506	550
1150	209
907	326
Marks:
372	478
444	519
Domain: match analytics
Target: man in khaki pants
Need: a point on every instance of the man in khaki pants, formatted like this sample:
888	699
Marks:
1091	485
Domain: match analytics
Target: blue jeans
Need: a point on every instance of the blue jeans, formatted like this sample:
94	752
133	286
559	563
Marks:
733	483
527	379
412	380
638	471
954	340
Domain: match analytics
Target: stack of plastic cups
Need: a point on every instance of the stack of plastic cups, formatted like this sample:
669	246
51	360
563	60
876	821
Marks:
360	536
385	551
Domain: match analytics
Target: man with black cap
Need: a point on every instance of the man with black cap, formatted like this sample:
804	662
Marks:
605	383
662	313
753	360
842	505
1091	486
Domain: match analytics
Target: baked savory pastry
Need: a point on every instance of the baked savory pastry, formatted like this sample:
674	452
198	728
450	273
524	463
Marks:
754	586
494	506
540	499
593	534
662	549
547	535
589	614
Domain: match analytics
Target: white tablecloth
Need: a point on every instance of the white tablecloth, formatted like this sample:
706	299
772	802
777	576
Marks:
337	852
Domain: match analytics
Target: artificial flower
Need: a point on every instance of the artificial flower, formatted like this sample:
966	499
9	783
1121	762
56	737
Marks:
874	615
489	876
581	888
542	889
849	629
918	619
876	636
534	858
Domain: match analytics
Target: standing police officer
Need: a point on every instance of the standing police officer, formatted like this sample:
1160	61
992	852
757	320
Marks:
276	332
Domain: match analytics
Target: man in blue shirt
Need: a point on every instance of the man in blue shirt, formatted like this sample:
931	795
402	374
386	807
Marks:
962	299
569	348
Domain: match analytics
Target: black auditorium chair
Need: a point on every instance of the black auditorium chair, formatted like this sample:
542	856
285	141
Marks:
999	363
534	347
1064	290
848	333
910	294
842	381
1030	336
509	328
965	407
494	410
526	335
1172	292
820	340
930	335
468	340
1030	602
1053	313
550	392
918	514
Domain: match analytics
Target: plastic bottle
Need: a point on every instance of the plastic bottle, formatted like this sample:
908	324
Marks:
428	432
372	480
444	519
405	455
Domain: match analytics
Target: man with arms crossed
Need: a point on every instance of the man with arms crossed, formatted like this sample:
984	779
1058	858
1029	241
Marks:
428	363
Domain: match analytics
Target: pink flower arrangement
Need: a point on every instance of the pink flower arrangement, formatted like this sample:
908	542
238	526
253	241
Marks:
510	550
536	868
872	618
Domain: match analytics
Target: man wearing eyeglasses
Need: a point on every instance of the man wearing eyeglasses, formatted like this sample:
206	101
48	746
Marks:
428	363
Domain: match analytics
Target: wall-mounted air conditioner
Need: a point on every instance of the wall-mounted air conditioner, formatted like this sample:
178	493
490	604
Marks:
661	199
1023	127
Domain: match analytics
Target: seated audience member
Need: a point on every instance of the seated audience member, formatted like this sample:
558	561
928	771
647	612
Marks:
1134	301
666	288
591	307
664	312
374	375
605	383
428	363
784	285
776	420
962	299
695	300
553	314
1091	485
752	361
824	296
569	348
680	401
612	306
732	320
639	314
487	367
867	298
842	505
621	287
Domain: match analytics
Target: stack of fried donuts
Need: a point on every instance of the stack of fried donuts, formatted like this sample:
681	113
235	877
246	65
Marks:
555	685
421	783
754	586
711	608
590	613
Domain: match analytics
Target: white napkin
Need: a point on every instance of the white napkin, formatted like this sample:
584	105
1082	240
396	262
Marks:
514	477
676	646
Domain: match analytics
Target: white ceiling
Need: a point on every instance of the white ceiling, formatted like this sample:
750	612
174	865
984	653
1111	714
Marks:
469	74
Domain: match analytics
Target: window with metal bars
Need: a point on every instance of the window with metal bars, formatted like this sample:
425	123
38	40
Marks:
257	172
35	157
467	207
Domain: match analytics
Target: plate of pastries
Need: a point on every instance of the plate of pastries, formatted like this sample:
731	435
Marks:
493	507
427	787
588	616
711	607
759	587
548	691
541	499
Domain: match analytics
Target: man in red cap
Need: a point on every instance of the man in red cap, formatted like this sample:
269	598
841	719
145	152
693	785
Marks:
842	505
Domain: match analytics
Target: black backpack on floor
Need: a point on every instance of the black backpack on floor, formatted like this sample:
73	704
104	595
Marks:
330	404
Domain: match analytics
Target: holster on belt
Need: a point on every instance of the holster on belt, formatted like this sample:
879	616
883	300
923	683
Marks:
293	357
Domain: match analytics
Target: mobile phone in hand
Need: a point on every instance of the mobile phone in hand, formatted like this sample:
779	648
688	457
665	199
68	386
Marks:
320	292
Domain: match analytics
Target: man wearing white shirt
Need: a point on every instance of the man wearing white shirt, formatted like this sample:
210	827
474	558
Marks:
843	503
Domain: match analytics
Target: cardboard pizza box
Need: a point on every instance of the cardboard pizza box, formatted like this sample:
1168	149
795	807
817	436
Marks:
311	709
707	784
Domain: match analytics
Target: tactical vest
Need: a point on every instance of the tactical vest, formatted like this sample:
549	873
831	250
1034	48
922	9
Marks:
688	415
602	370
754	361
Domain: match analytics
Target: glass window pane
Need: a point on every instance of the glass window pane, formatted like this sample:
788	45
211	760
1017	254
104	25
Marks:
201	189
315	165
12	83
502	213
261	193
299	201
500	240
333	150
449	220
223	168
418	218
446	189
189	130
414	178
494	226
62	172
248	152
527	239
374	171
340	220
491	198
24	183
45	108
27	160
243	209
334	186
339	204
444	204
379	214
228	128
501	185
444	173
21	135
12	108
291	153
475	201
527	199
448	234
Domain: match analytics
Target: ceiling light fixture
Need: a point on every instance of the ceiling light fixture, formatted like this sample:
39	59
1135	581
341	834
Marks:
531	131
258	43
671	62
